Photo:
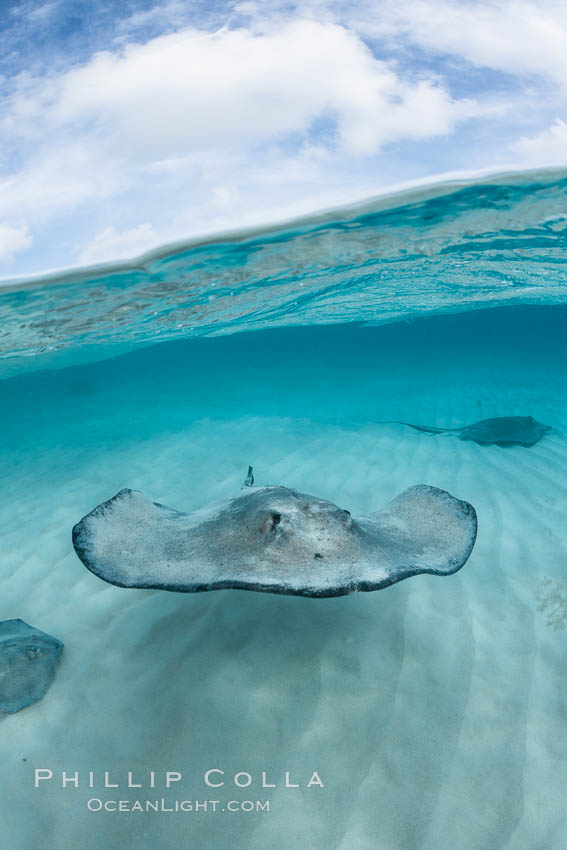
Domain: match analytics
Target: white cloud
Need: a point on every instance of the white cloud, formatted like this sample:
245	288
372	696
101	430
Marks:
41	12
193	91
57	179
13	240
521	37
118	245
172	13
546	148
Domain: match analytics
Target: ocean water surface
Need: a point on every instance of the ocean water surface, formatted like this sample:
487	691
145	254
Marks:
434	711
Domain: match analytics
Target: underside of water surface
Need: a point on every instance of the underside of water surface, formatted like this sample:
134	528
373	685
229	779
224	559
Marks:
433	711
443	248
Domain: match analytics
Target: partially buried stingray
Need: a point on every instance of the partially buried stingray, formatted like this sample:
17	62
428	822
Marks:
503	431
277	540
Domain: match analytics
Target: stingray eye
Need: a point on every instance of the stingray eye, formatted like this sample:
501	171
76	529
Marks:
346	519
271	521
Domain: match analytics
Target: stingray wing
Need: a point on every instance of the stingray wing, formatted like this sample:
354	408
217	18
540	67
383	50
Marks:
130	541
425	530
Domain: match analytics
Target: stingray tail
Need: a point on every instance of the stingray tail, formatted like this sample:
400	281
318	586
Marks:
425	428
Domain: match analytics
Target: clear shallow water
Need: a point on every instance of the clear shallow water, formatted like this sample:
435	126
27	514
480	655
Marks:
433	709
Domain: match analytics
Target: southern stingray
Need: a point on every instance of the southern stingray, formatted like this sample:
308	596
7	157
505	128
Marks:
28	658
503	431
275	539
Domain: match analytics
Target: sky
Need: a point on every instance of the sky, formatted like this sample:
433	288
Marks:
129	124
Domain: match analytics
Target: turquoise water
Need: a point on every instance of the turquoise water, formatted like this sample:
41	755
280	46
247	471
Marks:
440	249
434	710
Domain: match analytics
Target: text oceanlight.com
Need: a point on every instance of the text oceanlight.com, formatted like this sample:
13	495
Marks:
95	804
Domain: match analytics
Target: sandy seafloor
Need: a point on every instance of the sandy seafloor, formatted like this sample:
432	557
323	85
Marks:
435	711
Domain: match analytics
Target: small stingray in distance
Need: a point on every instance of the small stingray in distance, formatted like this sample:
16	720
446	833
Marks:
502	431
28	659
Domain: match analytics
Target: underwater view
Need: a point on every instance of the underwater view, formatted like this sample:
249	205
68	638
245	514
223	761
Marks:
347	626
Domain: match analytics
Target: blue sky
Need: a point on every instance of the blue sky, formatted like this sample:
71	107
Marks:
124	125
